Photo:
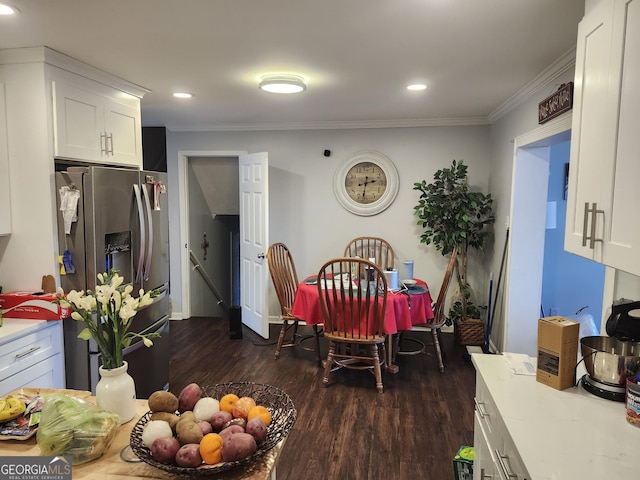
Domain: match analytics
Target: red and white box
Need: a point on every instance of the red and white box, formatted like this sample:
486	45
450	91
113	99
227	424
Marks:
32	306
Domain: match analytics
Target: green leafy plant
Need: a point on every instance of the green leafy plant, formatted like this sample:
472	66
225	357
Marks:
451	215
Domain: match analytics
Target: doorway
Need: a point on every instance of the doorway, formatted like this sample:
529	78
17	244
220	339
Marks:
527	236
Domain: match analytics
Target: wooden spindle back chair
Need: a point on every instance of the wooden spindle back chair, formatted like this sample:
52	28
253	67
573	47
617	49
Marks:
372	247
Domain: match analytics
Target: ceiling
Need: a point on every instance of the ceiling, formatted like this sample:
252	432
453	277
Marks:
357	56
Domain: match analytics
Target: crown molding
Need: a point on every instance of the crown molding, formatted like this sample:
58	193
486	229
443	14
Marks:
365	124
547	77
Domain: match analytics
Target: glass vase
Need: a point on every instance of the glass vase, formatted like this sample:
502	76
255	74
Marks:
116	392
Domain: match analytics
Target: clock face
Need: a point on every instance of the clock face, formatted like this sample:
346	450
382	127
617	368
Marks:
365	182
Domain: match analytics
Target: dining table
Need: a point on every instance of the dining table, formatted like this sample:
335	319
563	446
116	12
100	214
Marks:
406	307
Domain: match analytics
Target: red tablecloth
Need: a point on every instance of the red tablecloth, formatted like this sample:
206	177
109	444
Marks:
403	309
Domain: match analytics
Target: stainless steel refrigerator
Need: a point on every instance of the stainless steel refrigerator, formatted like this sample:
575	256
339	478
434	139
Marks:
121	222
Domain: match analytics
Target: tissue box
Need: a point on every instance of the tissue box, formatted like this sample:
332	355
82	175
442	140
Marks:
32	306
463	463
557	351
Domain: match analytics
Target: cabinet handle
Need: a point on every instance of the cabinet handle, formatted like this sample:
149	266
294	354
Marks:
480	408
103	143
484	476
592	231
24	354
504	466
110	144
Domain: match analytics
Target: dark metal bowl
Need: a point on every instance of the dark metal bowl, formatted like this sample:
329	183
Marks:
609	360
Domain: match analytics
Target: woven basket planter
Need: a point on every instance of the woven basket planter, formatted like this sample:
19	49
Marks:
469	331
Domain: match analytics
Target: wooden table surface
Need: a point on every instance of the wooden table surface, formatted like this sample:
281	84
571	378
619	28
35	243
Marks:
110	465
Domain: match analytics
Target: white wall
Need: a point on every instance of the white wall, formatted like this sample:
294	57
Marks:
304	213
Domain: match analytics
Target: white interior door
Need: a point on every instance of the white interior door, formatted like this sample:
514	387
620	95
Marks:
254	240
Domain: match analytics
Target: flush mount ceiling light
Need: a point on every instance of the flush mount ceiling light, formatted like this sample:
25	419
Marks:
282	84
6	9
416	87
183	95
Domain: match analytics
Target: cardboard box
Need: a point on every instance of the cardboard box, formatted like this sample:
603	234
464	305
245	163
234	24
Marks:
463	463
557	351
32	306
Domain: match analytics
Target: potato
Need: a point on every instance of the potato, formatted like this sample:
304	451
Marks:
189	455
170	418
237	447
164	449
188	432
188	415
189	396
219	419
257	429
155	429
205	427
232	430
161	401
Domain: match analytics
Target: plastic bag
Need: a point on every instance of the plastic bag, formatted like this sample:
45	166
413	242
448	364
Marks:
73	427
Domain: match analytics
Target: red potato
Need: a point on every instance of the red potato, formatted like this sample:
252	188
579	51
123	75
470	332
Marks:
188	397
257	429
164	449
205	427
232	430
237	447
219	419
189	455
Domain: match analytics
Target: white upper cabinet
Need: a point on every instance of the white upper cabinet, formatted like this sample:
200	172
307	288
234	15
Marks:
95	123
5	192
603	222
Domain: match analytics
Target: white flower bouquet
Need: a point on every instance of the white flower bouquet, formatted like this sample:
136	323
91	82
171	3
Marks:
107	314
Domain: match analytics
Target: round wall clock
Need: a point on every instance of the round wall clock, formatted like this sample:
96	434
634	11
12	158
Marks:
366	184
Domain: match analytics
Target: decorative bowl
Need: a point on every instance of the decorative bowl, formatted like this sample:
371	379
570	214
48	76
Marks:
283	416
609	360
410	283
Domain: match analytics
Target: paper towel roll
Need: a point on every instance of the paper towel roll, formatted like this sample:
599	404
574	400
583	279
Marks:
392	279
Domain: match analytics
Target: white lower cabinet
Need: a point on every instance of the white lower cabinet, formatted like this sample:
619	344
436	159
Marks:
496	456
33	358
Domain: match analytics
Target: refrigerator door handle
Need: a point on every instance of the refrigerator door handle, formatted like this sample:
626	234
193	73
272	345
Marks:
136	190
147	202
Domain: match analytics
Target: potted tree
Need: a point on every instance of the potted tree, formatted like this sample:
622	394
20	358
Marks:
451	215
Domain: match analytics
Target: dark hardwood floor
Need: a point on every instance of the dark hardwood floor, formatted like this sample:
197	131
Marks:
348	430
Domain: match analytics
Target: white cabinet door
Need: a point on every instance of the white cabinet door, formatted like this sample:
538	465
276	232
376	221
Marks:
78	123
483	466
5	192
592	136
99	126
124	133
622	237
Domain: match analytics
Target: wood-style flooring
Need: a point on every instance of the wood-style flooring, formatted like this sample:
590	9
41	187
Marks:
347	431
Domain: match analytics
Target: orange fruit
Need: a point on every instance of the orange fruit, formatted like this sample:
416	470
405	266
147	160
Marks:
242	406
227	402
211	448
261	412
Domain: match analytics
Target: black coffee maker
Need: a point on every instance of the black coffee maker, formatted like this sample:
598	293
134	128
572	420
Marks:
624	321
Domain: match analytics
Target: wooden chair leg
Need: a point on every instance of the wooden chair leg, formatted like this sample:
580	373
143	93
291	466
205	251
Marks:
376	367
317	340
436	344
283	330
327	365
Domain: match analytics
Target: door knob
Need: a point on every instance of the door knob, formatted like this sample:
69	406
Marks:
261	255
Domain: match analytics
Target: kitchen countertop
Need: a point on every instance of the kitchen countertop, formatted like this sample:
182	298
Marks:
561	435
17	327
110	465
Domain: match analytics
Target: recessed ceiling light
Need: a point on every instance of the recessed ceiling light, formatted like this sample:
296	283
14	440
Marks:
282	84
183	95
6	9
417	87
